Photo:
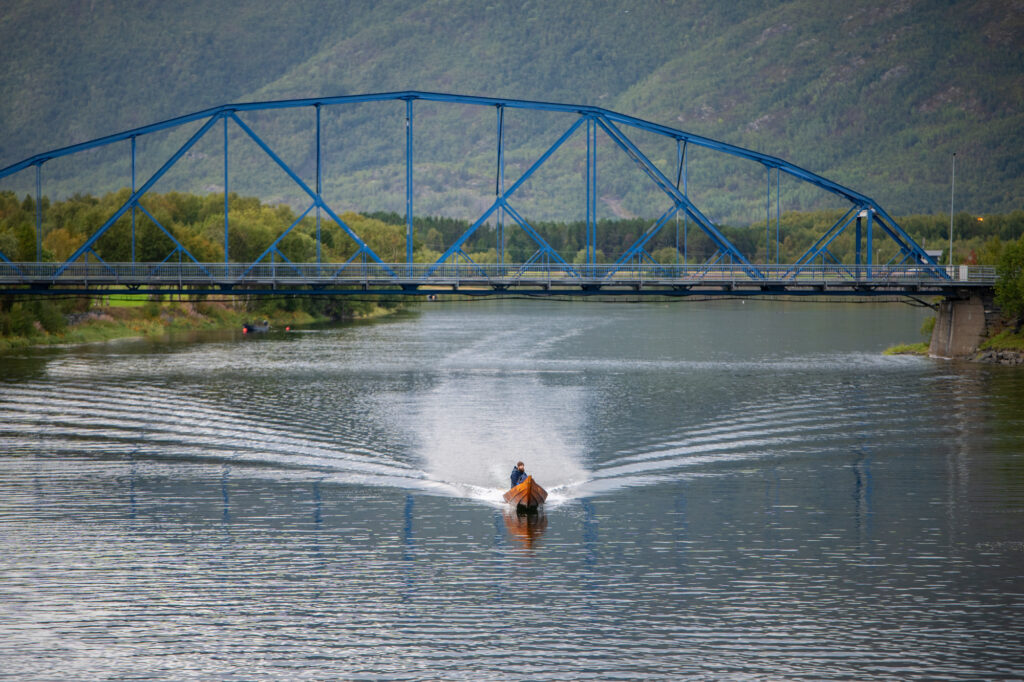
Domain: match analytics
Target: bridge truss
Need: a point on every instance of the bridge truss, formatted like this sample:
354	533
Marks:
727	269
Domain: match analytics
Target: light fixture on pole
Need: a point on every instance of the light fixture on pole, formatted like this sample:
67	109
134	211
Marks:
952	193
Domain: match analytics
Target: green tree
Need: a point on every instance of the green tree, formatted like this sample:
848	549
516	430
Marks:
1010	285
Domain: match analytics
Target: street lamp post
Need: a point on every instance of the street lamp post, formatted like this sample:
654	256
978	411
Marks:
952	193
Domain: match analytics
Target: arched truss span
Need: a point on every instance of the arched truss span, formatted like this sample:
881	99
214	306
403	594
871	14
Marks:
588	119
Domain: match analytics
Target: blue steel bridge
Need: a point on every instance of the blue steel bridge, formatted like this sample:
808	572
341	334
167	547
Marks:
911	271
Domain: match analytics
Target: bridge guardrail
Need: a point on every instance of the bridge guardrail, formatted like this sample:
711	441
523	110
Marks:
424	274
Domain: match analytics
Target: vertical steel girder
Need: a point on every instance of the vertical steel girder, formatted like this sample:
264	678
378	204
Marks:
39	212
856	244
778	216
408	180
768	218
686	221
133	192
591	193
870	245
595	118
679	167
499	185
319	184
226	260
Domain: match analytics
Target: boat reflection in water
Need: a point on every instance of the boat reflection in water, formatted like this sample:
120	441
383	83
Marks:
525	526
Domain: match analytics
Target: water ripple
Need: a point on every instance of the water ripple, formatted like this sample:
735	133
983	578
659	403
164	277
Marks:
724	503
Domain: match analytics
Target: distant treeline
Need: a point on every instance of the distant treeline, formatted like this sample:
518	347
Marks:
197	223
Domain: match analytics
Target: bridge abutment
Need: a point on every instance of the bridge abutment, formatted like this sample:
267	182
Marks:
960	326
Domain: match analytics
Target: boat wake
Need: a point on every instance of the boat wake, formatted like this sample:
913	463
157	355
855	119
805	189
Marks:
362	407
422	447
462	458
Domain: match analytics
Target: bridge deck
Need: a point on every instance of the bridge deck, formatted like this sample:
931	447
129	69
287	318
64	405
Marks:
471	278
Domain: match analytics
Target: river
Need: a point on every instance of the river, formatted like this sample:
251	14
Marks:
738	490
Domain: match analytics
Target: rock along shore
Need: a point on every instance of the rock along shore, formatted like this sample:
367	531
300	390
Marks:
1000	357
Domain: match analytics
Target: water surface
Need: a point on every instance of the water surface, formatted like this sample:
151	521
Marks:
738	491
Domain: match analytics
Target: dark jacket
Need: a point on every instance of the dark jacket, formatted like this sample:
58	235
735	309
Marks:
517	476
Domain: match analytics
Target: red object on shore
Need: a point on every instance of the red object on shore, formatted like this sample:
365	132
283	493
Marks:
527	495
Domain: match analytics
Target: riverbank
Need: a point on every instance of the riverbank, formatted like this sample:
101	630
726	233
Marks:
907	349
1005	348
128	318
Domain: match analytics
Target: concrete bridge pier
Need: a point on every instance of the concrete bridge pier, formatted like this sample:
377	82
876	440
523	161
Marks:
960	327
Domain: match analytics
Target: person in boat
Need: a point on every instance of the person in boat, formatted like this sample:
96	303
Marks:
518	474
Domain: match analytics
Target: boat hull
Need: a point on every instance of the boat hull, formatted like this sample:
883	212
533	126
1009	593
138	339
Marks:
527	495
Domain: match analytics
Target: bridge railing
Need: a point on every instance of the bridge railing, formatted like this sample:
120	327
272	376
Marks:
330	275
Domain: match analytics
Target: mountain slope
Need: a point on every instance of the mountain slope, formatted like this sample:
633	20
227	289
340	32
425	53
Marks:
874	95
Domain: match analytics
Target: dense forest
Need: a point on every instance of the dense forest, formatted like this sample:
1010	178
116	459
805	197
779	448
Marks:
876	96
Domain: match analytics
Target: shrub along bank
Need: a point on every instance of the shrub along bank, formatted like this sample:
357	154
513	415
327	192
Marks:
79	320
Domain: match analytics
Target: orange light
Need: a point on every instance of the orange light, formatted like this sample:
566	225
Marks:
981	220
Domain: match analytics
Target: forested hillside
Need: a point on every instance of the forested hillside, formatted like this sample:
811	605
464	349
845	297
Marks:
873	95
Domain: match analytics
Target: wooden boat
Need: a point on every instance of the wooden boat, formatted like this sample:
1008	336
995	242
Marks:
527	495
254	328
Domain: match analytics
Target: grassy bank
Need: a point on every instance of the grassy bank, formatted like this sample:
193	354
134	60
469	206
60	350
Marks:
1005	340
26	324
907	349
920	348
